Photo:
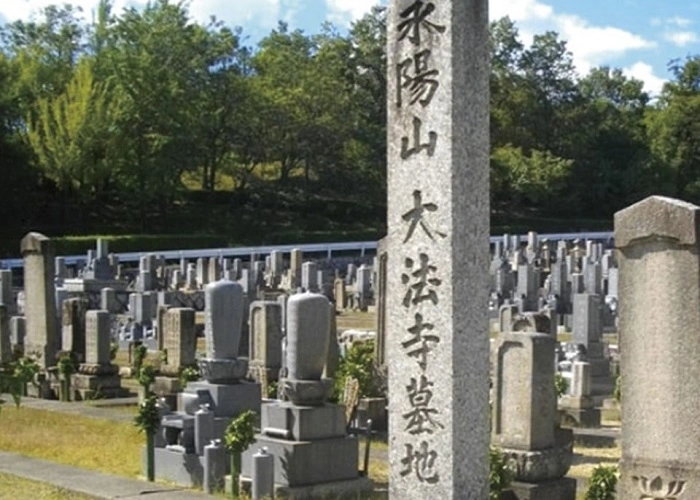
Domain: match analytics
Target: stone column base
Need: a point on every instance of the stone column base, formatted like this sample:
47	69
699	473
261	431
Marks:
351	489
557	489
663	479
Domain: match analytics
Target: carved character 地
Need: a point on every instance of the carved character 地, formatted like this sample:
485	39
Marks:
420	461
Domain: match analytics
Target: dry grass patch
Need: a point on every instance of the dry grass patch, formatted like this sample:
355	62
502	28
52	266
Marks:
357	320
588	458
18	488
101	445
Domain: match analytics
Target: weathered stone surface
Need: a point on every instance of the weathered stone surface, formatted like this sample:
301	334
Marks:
97	338
223	371
306	392
179	338
40	306
5	335
223	317
540	465
657	217
524	400
438	229
73	326
659	294
308	324
266	334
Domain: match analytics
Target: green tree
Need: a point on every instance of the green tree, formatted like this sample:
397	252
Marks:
535	179
675	130
69	135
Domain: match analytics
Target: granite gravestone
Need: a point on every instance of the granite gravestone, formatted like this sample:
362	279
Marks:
40	307
659	262
438	232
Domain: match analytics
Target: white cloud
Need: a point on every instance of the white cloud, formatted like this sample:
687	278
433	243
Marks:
681	38
644	72
679	21
23	9
590	45
348	10
264	13
520	10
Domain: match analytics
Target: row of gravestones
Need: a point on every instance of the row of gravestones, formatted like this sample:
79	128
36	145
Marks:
102	269
305	435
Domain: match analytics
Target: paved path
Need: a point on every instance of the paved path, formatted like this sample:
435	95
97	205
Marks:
88	482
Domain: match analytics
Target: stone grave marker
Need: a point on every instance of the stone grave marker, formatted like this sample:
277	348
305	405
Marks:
40	306
659	261
438	231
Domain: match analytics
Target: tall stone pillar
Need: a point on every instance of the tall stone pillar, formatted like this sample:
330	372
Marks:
40	306
438	233
659	253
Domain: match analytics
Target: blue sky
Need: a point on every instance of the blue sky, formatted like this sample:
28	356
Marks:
640	36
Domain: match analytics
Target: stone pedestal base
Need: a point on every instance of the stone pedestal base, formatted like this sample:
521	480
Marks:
225	400
578	411
374	409
662	479
223	371
342	490
535	466
256	371
557	489
302	423
97	387
166	385
183	469
307	463
579	417
306	392
42	389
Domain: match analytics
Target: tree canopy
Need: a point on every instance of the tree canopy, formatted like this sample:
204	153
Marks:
147	121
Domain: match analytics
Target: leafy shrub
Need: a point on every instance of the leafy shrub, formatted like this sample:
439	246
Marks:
240	433
358	363
602	484
617	392
148	419
146	377
139	354
188	374
499	473
561	384
15	375
113	350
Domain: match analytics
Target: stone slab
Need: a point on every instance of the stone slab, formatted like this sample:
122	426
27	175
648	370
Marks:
166	385
184	469
95	382
227	399
580	417
302	423
303	463
338	490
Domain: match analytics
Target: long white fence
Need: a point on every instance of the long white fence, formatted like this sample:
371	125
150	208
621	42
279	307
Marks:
327	249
